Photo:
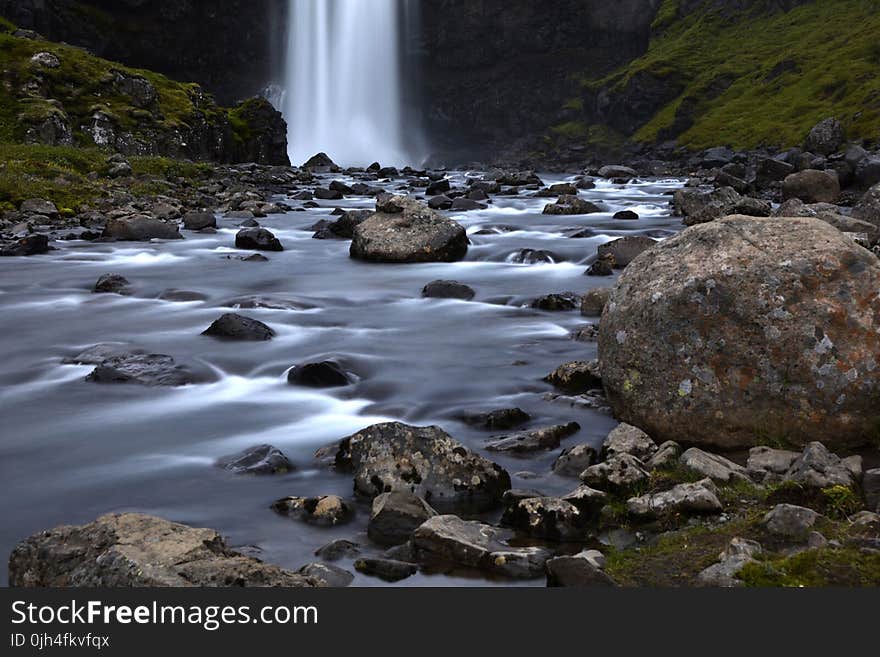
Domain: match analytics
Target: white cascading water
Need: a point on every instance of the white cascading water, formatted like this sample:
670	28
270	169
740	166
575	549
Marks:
343	92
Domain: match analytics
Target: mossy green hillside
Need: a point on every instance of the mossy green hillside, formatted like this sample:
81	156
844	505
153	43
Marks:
73	178
761	76
84	84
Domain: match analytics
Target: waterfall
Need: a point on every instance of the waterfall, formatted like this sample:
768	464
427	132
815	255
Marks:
343	82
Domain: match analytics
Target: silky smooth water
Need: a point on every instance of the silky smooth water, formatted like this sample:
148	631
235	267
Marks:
71	450
343	88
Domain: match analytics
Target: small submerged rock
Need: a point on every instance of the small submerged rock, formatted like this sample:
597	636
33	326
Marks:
533	440
571	205
119	364
338	549
329	575
503	419
237	327
258	460
575	377
326	510
448	290
396	515
325	374
534	257
112	284
563	301
388	570
473	544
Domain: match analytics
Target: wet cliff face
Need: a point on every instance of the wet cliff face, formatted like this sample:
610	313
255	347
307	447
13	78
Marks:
498	73
228	46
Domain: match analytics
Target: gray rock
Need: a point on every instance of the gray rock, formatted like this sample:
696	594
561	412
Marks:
713	466
680	325
449	539
534	440
571	205
627	439
424	460
389	570
140	228
698	206
133	550
196	220
868	207
790	521
588	501
119	364
826	137
617	171
621	472
818	468
405	231
696	498
575	460
736	556
576	572
396	515
666	456
812	186
39	206
259	460
338	549
764	462
330	576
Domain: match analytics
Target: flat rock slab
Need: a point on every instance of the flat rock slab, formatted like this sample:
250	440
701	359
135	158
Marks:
134	550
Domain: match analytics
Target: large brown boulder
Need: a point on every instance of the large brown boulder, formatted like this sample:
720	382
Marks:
133	550
746	328
812	186
404	230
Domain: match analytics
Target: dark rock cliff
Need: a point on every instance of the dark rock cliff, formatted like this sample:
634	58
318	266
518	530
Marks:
496	73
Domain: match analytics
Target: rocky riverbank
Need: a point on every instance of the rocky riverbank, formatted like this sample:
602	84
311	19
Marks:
753	331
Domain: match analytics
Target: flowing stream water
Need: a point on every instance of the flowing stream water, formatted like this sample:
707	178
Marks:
343	81
72	450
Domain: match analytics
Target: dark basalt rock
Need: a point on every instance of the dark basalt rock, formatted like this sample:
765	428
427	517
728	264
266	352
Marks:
626	215
112	284
534	440
424	460
330	576
325	374
118	364
257	239
503	419
396	515
237	327
389	570
259	460
27	246
563	301
448	290
571	205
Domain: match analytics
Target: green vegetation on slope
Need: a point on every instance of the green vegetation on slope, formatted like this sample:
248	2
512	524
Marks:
785	70
73	178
